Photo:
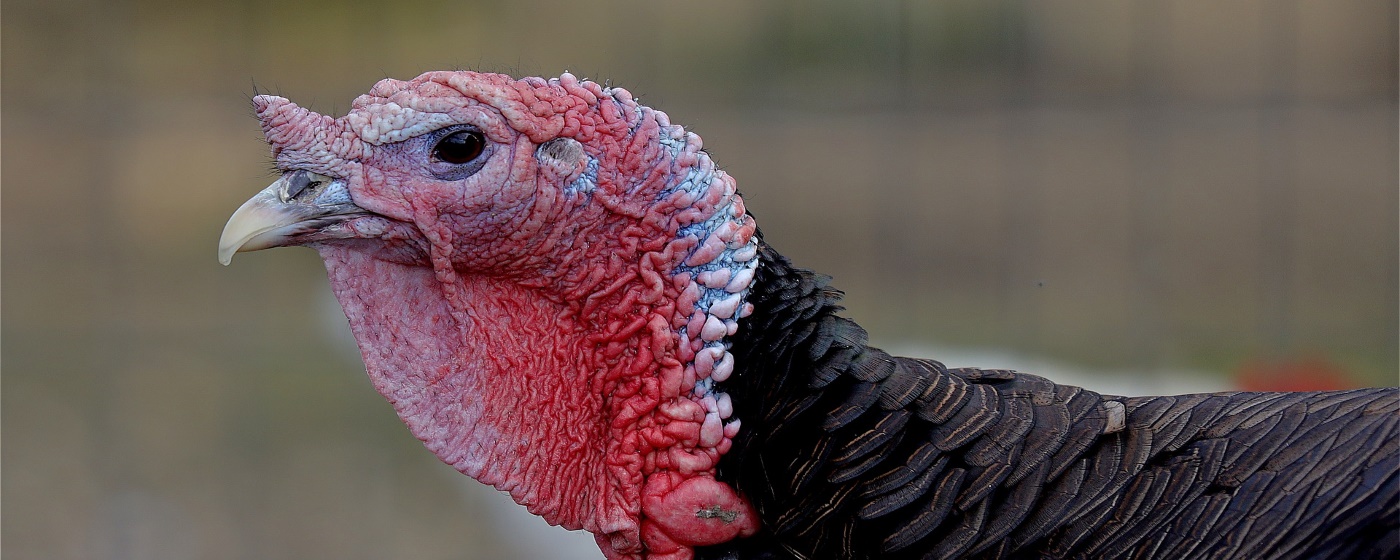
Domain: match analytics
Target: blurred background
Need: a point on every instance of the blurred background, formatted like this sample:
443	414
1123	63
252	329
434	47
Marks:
1193	195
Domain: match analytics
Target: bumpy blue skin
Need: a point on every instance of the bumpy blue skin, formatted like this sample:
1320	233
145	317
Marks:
587	181
722	282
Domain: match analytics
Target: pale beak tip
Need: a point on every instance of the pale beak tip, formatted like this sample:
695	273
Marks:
269	219
233	241
258	216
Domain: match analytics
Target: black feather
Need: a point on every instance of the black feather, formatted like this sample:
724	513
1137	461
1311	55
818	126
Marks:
929	517
847	452
907	493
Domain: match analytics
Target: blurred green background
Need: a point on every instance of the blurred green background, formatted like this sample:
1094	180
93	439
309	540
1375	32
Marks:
1145	186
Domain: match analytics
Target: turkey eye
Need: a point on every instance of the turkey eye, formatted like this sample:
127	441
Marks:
459	147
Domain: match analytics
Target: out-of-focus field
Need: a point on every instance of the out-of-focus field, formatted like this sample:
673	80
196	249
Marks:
1150	186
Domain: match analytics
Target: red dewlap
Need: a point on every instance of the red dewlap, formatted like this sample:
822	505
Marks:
537	345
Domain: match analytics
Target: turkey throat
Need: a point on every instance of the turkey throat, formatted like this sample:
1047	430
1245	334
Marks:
620	361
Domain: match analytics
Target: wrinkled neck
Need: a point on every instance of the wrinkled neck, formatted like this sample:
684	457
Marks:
488	390
593	395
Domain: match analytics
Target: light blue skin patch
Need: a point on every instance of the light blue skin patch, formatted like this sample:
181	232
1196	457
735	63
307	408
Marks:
587	181
336	193
698	181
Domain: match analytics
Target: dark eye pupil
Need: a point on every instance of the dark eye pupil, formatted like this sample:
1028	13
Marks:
460	147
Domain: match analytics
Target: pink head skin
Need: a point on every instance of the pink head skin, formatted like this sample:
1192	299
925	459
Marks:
541	276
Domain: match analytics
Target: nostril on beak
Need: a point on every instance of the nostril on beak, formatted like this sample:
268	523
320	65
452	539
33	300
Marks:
297	182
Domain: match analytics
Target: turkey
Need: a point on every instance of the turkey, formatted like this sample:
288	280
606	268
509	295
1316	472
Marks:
563	297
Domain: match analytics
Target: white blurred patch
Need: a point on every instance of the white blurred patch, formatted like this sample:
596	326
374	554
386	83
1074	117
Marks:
140	524
525	532
1126	383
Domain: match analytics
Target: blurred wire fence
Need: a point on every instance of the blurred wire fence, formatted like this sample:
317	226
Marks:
1144	186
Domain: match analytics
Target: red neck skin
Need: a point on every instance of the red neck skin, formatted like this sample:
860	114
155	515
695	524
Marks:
570	414
508	404
586	391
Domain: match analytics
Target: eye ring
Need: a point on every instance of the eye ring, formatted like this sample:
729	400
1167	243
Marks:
460	147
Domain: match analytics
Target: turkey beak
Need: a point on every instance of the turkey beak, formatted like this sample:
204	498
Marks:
299	202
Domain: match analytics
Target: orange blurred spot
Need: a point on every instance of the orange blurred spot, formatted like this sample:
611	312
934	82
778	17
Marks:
1305	374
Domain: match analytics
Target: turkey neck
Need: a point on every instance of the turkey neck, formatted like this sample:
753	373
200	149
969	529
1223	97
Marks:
617	370
465	389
